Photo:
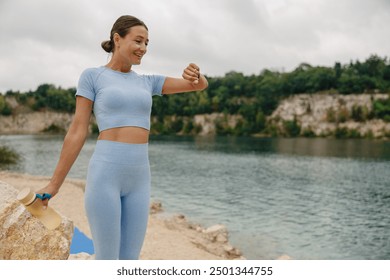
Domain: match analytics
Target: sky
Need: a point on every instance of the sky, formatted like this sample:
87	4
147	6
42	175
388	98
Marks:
47	41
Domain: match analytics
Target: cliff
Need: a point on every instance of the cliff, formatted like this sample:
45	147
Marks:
322	115
329	115
35	122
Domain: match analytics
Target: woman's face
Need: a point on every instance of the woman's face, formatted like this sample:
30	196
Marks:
132	47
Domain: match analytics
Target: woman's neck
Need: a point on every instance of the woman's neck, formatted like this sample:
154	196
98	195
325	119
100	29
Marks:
119	66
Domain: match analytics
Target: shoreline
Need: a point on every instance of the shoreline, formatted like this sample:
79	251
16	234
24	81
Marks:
169	238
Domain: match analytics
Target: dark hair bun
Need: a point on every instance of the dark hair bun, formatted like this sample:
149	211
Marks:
107	46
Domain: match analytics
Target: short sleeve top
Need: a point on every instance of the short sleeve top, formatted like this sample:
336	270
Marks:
120	99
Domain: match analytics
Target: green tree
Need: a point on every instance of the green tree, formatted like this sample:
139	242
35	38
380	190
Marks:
59	99
320	78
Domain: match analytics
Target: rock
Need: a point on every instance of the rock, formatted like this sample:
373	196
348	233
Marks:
233	253
24	237
81	256
208	122
217	233
213	239
284	257
218	242
156	207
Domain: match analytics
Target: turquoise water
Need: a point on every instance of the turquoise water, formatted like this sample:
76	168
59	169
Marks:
307	198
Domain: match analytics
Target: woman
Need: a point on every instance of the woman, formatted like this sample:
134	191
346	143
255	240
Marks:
118	182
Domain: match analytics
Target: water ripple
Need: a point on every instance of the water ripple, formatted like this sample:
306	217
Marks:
307	198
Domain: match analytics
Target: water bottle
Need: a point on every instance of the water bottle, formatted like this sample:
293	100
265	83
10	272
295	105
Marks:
49	217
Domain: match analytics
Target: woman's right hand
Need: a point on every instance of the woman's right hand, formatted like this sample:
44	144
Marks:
49	189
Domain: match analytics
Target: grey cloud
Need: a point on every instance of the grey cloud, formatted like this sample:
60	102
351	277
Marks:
53	41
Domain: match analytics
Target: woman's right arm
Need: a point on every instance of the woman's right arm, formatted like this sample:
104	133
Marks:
73	143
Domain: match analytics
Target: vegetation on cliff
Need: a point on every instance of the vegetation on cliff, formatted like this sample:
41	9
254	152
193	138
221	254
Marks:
251	98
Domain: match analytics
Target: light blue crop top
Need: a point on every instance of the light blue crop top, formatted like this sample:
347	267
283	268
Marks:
120	99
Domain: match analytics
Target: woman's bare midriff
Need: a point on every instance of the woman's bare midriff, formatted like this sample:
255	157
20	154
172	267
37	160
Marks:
127	134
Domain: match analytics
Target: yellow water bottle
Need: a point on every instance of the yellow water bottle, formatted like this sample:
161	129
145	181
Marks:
49	217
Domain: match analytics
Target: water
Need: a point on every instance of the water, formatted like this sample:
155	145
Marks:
307	198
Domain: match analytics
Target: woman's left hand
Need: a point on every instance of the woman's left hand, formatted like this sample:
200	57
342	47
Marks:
192	73
192	80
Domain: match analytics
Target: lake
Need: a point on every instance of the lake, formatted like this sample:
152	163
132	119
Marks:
309	198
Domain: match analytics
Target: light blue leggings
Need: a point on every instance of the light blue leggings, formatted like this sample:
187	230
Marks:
117	199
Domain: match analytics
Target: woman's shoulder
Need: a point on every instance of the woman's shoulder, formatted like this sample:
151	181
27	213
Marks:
93	70
149	77
92	73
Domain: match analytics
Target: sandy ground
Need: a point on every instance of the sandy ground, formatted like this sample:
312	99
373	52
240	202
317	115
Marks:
167	238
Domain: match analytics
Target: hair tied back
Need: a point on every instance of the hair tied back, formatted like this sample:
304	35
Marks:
107	46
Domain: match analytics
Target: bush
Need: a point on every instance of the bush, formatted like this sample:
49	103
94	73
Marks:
191	128
343	115
8	156
308	132
343	132
5	109
359	113
292	128
331	115
55	129
95	128
381	109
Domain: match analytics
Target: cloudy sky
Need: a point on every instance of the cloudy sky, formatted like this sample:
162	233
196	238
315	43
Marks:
53	41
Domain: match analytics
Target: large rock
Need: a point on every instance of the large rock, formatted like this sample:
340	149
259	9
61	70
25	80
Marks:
23	237
324	114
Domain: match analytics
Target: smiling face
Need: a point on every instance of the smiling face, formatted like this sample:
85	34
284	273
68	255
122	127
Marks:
131	48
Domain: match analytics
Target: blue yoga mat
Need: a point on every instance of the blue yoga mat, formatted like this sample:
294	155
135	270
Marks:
81	243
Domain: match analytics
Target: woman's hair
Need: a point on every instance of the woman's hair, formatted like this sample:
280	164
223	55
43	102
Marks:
121	26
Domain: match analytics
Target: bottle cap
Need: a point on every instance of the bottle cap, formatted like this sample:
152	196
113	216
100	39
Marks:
26	196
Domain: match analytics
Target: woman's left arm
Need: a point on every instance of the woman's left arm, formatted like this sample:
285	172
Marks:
192	80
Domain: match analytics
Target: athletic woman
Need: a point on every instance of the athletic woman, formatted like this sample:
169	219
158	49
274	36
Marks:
118	181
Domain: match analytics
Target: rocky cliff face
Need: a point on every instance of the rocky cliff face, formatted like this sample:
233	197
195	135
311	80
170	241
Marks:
311	114
329	114
35	122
